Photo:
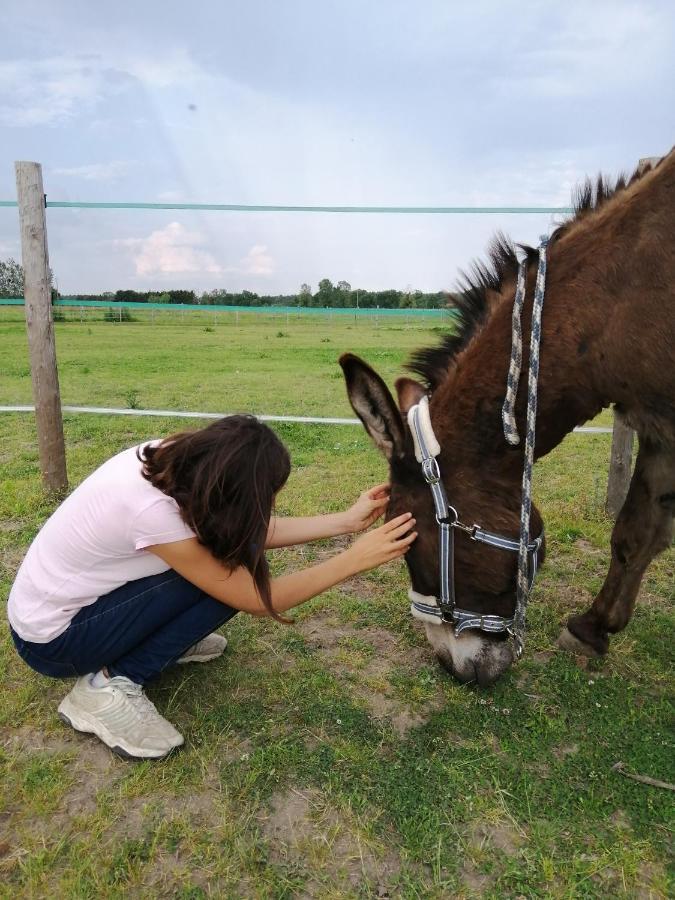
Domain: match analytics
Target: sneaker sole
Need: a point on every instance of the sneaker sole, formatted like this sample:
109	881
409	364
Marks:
198	659
82	722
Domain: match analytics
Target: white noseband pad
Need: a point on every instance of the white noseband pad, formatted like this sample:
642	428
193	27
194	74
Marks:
426	609
424	424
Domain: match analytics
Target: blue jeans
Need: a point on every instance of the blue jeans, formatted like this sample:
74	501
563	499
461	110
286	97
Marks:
137	630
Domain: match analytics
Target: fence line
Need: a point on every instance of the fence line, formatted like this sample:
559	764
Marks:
74	303
182	414
245	207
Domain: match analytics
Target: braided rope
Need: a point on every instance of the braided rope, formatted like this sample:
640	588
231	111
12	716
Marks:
509	407
526	502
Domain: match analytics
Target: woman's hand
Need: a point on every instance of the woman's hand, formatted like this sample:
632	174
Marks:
383	544
367	509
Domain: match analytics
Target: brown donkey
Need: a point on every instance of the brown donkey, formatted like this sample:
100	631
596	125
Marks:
608	337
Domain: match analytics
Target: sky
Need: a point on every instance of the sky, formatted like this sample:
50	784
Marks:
304	102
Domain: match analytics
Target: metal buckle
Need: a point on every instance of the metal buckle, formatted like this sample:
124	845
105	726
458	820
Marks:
430	470
448	520
467	529
517	642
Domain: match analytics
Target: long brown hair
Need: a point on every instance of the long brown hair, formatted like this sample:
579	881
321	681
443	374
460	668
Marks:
224	479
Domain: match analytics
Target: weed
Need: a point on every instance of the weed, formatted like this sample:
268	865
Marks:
131	397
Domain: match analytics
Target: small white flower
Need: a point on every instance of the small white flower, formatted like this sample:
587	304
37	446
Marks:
339	721
591	681
244	756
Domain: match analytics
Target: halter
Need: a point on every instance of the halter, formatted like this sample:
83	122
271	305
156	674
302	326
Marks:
427	449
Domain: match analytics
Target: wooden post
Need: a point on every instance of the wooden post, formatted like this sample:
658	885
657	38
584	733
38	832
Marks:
40	325
621	455
620	460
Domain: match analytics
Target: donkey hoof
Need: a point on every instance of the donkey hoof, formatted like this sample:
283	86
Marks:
568	641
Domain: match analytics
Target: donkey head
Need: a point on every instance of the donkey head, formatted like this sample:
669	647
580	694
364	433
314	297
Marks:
485	577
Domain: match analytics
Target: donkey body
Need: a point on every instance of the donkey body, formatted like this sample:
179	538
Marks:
608	337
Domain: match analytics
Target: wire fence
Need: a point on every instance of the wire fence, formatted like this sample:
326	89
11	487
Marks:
71	309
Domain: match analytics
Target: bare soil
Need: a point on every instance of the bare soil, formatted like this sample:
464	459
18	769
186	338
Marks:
335	640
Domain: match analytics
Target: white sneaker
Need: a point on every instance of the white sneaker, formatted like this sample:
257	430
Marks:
212	646
120	715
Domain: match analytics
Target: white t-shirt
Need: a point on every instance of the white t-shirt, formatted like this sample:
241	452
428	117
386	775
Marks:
93	543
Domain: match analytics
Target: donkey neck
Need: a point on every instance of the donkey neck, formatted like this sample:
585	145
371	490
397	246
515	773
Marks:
608	280
467	407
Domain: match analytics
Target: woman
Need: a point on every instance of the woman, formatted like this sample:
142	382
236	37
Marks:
155	550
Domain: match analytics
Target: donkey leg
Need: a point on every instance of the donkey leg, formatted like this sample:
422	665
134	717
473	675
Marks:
643	528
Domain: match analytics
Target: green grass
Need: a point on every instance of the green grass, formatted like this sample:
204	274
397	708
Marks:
333	757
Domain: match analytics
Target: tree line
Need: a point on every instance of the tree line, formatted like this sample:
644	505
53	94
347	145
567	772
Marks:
335	296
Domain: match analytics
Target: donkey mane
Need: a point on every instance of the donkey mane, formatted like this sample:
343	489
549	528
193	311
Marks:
472	300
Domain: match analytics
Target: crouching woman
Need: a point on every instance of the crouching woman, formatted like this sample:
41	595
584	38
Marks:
156	549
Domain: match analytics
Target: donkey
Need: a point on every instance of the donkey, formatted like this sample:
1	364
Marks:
608	337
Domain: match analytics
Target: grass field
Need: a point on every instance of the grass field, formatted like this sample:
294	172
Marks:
333	758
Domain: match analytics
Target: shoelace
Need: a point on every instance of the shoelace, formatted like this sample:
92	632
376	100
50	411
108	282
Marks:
136	695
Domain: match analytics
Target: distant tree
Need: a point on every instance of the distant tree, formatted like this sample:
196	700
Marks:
305	295
342	294
11	279
248	298
324	296
131	296
182	297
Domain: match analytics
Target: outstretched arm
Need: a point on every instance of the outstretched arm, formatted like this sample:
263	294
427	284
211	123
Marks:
237	589
284	532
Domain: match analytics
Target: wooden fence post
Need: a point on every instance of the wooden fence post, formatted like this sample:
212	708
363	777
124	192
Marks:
621	455
40	325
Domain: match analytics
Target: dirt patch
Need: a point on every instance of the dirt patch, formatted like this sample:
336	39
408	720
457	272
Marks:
475	882
304	831
10	560
142	815
503	836
367	659
88	769
587	547
565	750
651	881
620	820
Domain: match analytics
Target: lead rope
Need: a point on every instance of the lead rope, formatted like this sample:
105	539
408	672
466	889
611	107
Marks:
511	429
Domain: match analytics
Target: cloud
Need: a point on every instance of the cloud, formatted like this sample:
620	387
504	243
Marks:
110	171
172	250
54	90
256	262
47	91
174	68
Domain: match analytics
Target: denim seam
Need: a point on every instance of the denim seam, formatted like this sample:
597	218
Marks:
113	667
118	606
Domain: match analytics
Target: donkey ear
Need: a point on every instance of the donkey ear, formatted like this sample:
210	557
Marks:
409	393
374	405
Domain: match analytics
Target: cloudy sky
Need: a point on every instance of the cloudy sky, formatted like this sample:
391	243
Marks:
311	102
